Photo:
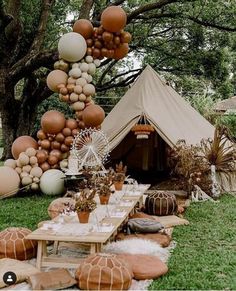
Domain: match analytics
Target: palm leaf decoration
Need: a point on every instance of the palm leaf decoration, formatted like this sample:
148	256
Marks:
220	151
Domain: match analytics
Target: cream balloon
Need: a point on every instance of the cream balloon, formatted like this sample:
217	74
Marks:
84	67
81	82
36	172
89	90
75	73
9	181
97	62
72	47
26	181
92	69
55	78
74	97
23	159
30	152
89	59
52	182
10	163
77	106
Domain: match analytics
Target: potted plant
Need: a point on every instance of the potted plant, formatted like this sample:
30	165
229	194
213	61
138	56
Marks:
85	204
104	189
119	176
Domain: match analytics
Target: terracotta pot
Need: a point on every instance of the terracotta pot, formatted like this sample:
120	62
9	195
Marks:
104	199
83	216
118	186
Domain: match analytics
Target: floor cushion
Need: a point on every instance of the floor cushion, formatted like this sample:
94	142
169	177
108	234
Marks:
104	272
14	245
160	238
160	203
21	269
141	215
52	280
145	266
57	206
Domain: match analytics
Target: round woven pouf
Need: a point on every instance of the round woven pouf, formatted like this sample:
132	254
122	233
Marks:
104	272
160	203
57	206
14	245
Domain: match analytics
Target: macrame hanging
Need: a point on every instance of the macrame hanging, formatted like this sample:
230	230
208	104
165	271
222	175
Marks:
142	129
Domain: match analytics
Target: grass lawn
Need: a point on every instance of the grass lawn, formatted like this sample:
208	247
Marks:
205	256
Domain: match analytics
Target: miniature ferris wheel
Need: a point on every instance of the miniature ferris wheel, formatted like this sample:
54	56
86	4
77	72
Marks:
91	148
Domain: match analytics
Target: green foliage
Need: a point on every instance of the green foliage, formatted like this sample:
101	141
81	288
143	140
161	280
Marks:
229	121
24	211
52	103
204	258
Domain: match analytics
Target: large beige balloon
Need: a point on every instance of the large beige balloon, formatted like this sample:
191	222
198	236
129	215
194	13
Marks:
9	181
72	47
55	78
52	182
21	144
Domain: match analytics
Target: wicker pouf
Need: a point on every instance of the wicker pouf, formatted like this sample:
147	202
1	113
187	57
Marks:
14	245
57	206
104	272
160	203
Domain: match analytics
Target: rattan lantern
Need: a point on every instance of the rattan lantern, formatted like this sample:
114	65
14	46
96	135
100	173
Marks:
142	129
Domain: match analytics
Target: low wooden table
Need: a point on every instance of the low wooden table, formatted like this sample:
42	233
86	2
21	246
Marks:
71	232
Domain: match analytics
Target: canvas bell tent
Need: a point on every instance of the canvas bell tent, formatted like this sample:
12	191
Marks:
171	116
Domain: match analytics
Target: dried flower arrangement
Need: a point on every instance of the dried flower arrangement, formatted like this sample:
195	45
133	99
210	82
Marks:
103	186
85	202
120	168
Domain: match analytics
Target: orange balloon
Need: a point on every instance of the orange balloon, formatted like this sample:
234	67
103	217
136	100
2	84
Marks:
53	121
83	27
64	148
45	166
125	37
93	115
21	144
56	153
45	144
42	156
71	123
66	131
59	137
55	145
52	160
56	78
41	134
69	140
121	51
113	18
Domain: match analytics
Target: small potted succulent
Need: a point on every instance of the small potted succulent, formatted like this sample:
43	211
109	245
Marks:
119	176
85	204
104	189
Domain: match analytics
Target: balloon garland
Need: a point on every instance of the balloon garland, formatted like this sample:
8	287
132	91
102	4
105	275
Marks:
80	54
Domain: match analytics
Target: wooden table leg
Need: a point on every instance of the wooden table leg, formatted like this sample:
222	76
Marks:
39	254
55	247
44	249
98	248
93	248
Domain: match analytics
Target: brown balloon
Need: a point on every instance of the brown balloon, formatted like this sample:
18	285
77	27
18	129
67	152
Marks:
55	145
66	131
107	36
79	114
56	166
41	134
83	27
50	138
96	53
42	156
64	148
89	42
53	121
125	37
70	88
52	160
98	44
64	91
113	18
104	52
110	54
75	131
45	166
65	98
59	137
39	142
93	115
71	123
45	144
21	144
68	140
56	153
81	125
121	51
117	40
100	30
89	51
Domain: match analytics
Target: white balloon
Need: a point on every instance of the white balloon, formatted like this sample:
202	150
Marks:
89	79
74	97
85	76
89	59
92	69
72	47
84	67
75	73
75	65
52	182
97	62
81	82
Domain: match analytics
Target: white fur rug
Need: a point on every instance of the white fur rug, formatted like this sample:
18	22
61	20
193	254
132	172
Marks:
138	246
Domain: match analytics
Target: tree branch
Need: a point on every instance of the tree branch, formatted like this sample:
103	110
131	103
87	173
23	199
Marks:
148	7
5	18
29	64
108	68
45	11
213	25
85	9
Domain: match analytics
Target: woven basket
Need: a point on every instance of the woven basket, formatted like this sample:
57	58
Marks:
160	203
104	272
14	245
